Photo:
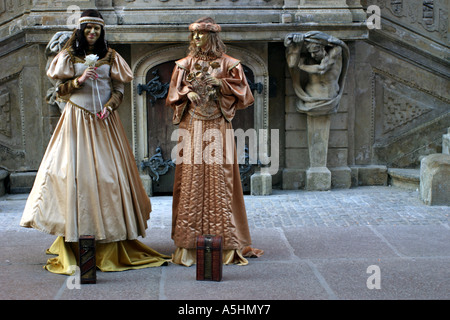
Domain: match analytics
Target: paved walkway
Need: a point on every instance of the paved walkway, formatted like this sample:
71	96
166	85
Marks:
361	243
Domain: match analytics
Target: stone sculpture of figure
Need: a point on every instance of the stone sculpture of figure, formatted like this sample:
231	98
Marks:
318	65
55	45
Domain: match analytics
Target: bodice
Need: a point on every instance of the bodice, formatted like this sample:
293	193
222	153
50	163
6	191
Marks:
93	94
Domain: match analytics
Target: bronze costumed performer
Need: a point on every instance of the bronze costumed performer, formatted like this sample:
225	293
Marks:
206	89
88	182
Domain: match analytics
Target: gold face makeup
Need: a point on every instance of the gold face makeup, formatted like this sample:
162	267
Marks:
92	33
200	38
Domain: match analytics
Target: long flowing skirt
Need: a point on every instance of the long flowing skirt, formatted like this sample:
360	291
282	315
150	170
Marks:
207	196
111	256
88	182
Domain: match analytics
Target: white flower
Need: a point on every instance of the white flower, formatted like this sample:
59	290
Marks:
90	60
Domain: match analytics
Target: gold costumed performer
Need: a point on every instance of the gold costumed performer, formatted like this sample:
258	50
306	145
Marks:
206	89
88	182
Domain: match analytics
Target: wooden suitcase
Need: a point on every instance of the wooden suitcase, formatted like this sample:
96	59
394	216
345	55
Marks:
209	258
87	259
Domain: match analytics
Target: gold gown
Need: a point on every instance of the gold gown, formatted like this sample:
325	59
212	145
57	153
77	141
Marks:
88	182
208	197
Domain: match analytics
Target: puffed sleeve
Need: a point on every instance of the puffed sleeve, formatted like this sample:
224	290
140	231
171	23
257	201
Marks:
236	93
61	67
178	90
120	70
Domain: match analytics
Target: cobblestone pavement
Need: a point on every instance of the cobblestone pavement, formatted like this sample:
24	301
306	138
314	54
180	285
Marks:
317	246
336	208
285	208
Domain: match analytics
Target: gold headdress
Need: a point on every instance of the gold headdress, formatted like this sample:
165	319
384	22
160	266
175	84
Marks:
94	20
205	26
81	21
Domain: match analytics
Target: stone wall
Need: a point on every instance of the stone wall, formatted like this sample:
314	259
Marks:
404	75
393	112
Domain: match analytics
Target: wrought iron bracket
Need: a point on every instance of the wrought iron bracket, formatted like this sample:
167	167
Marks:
259	87
155	88
157	165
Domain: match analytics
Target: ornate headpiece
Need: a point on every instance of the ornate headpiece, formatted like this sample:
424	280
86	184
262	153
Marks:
95	20
205	26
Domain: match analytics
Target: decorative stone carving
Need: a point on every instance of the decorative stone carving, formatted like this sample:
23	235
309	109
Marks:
428	12
399	110
5	114
318	65
397	6
53	48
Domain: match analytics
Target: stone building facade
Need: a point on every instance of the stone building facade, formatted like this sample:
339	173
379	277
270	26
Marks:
394	110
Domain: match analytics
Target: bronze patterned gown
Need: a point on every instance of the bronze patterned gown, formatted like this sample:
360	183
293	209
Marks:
207	193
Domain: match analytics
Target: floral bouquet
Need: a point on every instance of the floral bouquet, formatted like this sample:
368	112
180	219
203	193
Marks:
90	61
208	93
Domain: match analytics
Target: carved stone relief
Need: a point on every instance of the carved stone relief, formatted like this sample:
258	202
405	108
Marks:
53	48
428	12
431	15
402	106
5	114
211	3
2	6
397	7
11	130
400	109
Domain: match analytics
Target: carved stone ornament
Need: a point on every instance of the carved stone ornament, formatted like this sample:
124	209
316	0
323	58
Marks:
55	45
397	7
5	114
318	64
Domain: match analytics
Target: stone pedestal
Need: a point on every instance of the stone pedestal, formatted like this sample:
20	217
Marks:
446	142
261	184
318	177
435	179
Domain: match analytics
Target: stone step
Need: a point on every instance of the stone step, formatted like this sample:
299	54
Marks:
21	182
404	178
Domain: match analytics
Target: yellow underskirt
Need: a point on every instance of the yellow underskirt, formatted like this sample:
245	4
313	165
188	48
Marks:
113	256
188	257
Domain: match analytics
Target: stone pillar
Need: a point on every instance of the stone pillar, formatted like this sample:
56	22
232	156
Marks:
318	65
318	177
446	142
